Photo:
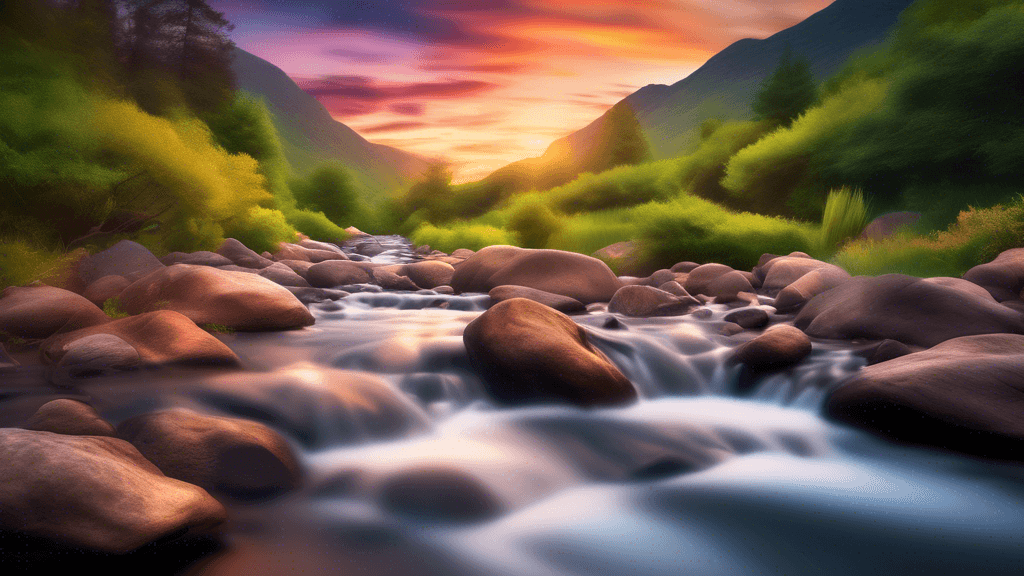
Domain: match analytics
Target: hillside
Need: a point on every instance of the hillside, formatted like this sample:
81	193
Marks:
311	137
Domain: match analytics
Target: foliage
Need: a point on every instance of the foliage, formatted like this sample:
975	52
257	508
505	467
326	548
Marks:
588	232
534	222
845	216
112	308
787	93
217	329
330	190
261	229
621	141
317	226
616	188
461	235
431	193
22	263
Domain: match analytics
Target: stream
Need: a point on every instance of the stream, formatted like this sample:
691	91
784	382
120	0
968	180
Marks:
410	470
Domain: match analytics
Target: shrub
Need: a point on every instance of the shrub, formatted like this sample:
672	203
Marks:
845	216
262	229
317	226
616	188
112	308
461	235
22	263
534	222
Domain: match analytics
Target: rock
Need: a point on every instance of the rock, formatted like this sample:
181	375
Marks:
241	256
444	290
286	251
726	287
903	308
94	493
318	406
104	289
887	350
297	266
389	280
1002	277
337	273
676	289
238	458
41	311
761	270
887	224
660	277
280	274
684	267
314	295
126	258
624	256
569	274
701	277
808	286
563	304
71	417
463	253
236	300
163	337
781	272
730	329
528	353
429	274
439	495
748	318
778	348
201	258
354	231
645	301
966	286
315	245
423	250
96	355
964	394
6	362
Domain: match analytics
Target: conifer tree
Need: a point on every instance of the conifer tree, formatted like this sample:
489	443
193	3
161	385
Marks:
787	93
622	139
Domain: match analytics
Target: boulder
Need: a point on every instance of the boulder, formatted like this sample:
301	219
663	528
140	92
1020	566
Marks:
778	348
960	284
236	300
748	318
315	245
1002	277
95	355
781	272
563	304
903	308
298	266
701	277
584	278
808	286
387	278
528	353
429	274
280	274
887	350
965	394
337	273
314	295
676	289
40	311
684	267
241	256
645	301
201	258
727	287
163	337
126	258
463	253
439	495
238	458
94	493
71	417
887	224
104	289
626	257
660	277
6	362
286	251
354	231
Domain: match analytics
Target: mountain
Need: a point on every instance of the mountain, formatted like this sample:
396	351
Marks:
311	137
723	87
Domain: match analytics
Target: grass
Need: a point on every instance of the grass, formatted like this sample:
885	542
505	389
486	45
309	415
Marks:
112	308
217	329
461	235
845	216
22	263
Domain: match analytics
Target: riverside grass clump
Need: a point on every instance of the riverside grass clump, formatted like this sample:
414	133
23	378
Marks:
845	216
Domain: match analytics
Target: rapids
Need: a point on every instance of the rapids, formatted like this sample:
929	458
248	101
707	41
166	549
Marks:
411	471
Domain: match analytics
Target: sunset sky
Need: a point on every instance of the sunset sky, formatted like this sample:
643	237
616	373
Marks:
483	83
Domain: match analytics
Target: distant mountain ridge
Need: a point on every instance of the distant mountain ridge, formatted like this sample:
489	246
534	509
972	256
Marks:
310	135
724	86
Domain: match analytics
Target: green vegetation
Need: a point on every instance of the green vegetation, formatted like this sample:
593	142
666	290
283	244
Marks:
534	223
787	93
845	216
217	329
112	308
461	235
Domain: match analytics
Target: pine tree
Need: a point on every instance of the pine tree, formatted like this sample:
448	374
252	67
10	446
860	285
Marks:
622	139
787	93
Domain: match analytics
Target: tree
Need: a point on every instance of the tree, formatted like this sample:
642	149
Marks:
202	53
787	93
622	140
431	193
329	189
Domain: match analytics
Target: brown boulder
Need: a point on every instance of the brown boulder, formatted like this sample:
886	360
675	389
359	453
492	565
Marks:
236	300
645	301
528	353
684	267
283	275
126	258
808	286
429	274
727	287
94	355
241	256
701	277
94	493
105	288
387	277
40	311
238	458
563	304
163	337
965	394
778	348
286	251
201	258
781	272
903	308
1002	277
71	417
748	318
333	273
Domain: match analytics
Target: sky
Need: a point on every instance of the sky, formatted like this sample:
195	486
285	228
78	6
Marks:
482	83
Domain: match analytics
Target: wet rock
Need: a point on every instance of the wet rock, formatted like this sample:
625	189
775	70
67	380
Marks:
439	495
778	348
429	274
236	300
730	329
105	288
727	287
563	304
887	350
333	273
903	308
318	406
96	355
6	362
71	417
327	246
676	289
389	280
528	353
286	251
315	295
41	311
163	337
463	253
701	277
126	258
201	258
298	266
645	301
660	277
808	286
964	394
965	286
781	272
445	289
238	458
574	275
241	256
283	275
684	267
749	318
94	493
887	224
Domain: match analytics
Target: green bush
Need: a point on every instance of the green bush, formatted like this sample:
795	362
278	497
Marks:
616	188
589	232
112	308
461	235
262	229
534	222
22	263
845	216
317	226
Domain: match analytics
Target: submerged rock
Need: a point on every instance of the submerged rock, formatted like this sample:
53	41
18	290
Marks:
778	348
439	495
94	492
528	353
563	304
41	311
964	394
333	273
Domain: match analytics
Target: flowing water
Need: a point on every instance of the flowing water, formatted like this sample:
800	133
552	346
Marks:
410	470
